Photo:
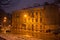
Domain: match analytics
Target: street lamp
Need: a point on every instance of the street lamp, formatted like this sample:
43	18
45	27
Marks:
4	21
25	15
5	18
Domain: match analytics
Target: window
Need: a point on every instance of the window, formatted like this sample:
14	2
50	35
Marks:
47	31
41	20
24	26
32	27
32	14
32	20
40	26
36	13
40	14
36	27
36	20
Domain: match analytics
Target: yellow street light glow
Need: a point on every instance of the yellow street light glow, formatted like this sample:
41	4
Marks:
25	15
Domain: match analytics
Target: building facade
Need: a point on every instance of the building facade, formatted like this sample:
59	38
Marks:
35	19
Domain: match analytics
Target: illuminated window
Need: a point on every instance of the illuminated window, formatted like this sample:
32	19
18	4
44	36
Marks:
32	14
40	14
23	26
32	20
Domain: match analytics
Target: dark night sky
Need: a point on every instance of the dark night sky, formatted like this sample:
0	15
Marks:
19	4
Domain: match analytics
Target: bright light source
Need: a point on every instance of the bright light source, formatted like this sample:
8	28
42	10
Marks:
4	20
5	17
25	15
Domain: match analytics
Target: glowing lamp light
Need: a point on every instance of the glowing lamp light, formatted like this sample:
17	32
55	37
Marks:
5	17
25	15
4	20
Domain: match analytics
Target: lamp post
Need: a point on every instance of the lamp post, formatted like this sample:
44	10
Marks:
4	21
25	16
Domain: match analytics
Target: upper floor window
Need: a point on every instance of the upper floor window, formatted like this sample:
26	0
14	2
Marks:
36	20
36	13
32	14
40	14
40	19
32	20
